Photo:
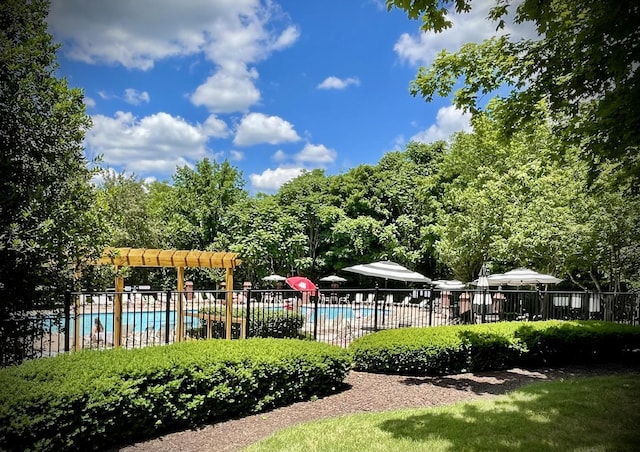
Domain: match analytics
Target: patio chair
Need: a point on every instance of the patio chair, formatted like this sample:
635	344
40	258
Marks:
127	337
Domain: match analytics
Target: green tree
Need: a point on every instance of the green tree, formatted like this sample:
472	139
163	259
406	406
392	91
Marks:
306	198
527	203
583	63
48	225
268	239
125	200
196	211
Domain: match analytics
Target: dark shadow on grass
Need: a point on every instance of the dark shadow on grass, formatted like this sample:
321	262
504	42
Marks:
505	381
549	410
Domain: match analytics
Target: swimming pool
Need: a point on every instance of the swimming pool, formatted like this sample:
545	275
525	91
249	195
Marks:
140	320
333	312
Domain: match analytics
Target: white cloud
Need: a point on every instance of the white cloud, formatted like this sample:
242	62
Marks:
89	102
226	92
273	179
337	83
259	128
287	38
448	121
421	49
231	34
136	34
156	143
135	97
237	155
215	127
279	156
316	153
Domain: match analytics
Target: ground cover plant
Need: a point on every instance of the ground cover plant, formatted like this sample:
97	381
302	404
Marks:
94	399
462	348
596	414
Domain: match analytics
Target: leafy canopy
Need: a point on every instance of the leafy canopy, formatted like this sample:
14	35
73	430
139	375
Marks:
584	63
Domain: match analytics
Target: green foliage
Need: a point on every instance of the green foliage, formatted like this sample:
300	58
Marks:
197	209
583	62
463	348
125	201
577	342
49	225
90	400
262	323
526	203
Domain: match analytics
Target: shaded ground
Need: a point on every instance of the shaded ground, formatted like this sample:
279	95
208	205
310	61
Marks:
366	392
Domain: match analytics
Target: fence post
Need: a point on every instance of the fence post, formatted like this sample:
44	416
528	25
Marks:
247	315
67	320
375	309
315	317
431	298
167	317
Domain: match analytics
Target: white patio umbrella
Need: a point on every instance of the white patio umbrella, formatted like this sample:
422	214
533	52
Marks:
274	278
388	270
522	277
482	283
333	278
446	284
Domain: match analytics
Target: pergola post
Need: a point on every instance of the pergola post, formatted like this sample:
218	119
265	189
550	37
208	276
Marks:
229	301
180	306
117	309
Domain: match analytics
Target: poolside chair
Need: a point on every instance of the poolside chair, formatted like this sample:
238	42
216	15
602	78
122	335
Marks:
148	334
162	331
127	337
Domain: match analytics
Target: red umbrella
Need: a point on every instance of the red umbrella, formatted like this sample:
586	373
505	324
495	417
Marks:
302	284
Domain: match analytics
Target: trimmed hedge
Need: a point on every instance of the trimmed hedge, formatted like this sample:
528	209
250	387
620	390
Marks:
95	399
462	348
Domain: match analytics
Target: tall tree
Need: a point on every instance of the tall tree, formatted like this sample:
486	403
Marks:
197	208
47	221
584	63
125	200
305	198
48	225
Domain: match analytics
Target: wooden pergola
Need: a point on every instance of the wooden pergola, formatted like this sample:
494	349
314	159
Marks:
179	259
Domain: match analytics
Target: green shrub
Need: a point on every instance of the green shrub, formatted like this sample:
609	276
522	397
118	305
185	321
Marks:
557	342
91	399
262	323
459	348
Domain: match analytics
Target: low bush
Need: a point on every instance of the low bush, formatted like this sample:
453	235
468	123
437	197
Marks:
461	348
262	323
556	342
95	399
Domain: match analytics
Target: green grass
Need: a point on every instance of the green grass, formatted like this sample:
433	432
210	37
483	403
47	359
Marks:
586	414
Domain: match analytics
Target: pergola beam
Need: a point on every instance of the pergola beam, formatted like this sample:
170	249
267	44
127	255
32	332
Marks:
143	257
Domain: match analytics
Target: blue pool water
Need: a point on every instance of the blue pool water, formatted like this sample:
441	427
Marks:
333	312
141	320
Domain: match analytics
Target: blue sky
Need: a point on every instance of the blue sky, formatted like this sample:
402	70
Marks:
275	87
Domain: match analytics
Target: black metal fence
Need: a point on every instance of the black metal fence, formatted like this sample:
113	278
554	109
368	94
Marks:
337	316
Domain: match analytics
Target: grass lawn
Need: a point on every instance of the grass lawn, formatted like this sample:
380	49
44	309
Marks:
584	414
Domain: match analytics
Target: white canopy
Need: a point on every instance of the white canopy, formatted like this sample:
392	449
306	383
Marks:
274	278
388	270
446	284
522	277
333	278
